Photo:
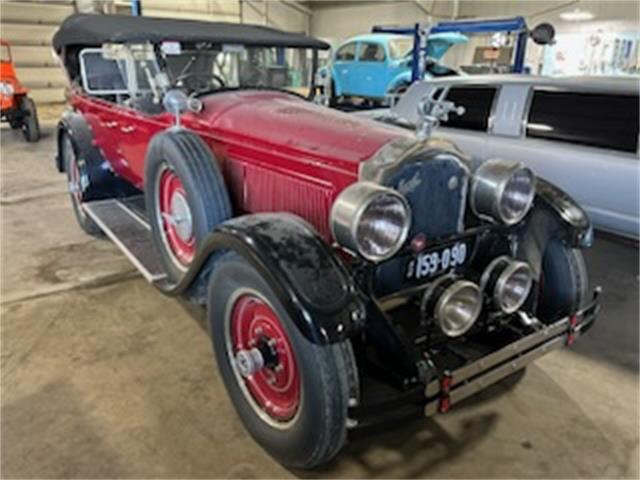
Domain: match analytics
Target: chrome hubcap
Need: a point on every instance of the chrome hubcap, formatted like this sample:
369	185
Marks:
180	217
249	361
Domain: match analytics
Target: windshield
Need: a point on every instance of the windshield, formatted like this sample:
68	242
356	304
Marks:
211	68
400	47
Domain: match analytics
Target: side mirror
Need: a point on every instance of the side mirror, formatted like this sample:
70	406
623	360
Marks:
543	34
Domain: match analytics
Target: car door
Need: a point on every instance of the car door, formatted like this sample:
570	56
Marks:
344	65
371	73
139	120
587	144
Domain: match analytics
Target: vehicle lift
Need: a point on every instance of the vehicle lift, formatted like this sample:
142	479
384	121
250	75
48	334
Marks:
421	32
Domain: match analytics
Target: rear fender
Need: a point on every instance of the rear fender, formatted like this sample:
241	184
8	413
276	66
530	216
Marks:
402	79
305	274
103	183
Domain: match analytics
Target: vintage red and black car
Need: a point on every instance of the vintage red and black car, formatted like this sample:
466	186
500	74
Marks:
352	272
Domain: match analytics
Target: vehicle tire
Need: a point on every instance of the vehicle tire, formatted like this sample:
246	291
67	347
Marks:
400	89
564	283
30	124
333	99
75	168
185	197
300	418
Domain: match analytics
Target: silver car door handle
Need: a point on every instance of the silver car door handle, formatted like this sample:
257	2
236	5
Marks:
128	129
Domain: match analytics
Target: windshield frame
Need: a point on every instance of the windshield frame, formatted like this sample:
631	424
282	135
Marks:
162	55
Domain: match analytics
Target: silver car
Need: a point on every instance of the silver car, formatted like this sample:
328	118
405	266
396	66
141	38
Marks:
580	133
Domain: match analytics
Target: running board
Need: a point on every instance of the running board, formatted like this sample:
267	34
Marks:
125	223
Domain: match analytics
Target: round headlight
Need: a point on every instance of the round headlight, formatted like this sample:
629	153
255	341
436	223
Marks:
508	282
454	304
371	220
502	190
6	89
458	308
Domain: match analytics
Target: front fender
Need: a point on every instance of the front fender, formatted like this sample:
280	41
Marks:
311	282
554	215
575	223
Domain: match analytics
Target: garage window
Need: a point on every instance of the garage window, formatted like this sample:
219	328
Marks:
346	53
477	102
594	119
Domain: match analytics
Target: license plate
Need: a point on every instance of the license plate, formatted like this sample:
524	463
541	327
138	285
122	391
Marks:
438	261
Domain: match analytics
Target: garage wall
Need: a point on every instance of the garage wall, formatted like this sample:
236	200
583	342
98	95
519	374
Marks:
611	15
337	21
28	26
287	15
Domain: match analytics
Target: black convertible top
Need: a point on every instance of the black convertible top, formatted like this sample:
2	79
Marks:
95	29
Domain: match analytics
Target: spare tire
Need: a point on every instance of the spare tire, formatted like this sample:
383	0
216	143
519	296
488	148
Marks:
185	196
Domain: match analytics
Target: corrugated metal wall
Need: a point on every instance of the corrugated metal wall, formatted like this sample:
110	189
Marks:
28	26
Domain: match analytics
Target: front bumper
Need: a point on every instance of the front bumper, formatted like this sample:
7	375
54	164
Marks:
453	386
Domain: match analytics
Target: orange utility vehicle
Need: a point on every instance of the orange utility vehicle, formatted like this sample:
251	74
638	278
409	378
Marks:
16	107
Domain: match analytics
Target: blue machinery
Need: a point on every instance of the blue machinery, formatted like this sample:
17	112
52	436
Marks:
421	32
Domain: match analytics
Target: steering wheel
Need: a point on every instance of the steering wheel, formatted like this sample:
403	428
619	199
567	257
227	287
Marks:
193	81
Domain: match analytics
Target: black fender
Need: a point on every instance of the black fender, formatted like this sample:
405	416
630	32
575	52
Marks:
572	222
103	183
306	275
554	215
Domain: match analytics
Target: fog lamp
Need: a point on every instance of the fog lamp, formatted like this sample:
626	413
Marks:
502	190
454	304
507	282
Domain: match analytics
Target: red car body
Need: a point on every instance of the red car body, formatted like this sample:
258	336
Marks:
278	152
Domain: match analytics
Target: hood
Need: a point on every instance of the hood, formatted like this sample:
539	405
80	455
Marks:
439	43
299	128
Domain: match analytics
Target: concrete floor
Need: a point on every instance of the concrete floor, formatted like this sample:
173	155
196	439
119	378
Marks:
102	376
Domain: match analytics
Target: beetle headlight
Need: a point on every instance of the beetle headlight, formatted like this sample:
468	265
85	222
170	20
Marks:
502	190
371	220
6	89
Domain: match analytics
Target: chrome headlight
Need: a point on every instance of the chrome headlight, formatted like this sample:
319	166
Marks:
6	89
371	220
502	190
454	304
508	283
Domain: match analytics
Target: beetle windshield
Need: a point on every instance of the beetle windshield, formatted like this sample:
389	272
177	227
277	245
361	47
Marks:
400	47
211	68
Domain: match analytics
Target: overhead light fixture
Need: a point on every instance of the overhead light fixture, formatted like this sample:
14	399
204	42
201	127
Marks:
577	15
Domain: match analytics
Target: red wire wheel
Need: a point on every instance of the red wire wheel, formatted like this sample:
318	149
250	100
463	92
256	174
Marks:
177	222
275	387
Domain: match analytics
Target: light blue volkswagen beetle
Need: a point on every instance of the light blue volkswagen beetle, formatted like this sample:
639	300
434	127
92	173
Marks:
373	65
